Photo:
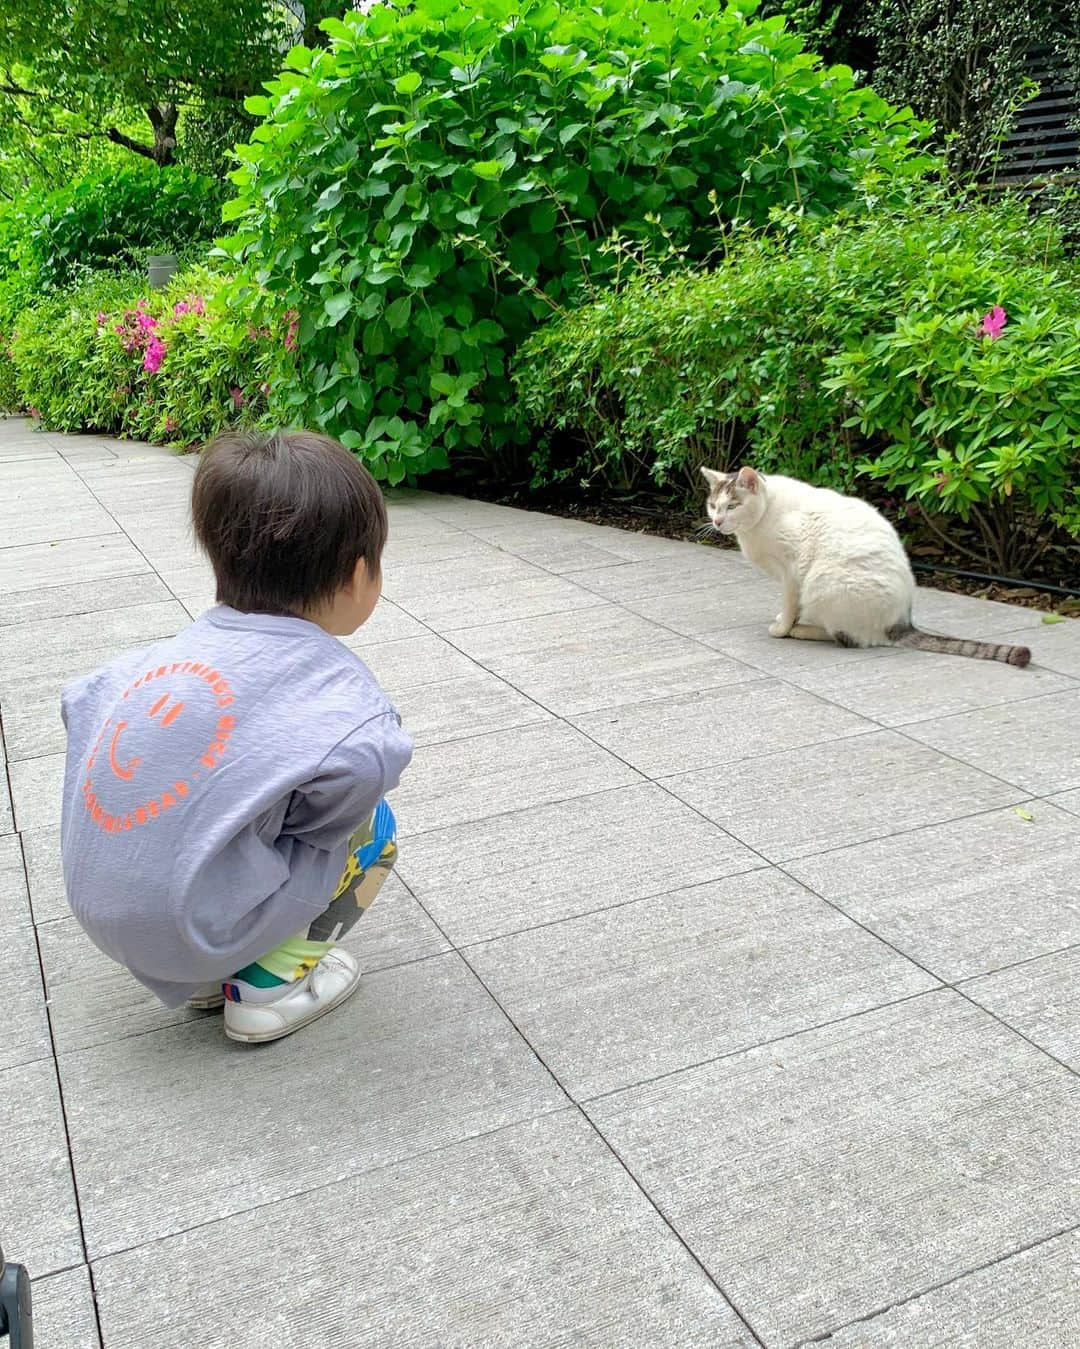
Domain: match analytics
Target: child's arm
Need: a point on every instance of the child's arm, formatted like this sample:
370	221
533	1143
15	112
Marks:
350	782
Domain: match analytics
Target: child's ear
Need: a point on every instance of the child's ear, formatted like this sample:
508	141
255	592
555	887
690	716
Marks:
361	578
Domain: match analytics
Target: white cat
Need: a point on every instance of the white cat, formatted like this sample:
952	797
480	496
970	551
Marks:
842	569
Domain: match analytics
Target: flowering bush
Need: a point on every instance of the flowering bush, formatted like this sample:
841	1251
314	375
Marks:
936	349
436	181
173	366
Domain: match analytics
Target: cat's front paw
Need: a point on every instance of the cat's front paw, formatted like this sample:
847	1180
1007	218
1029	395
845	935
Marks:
779	627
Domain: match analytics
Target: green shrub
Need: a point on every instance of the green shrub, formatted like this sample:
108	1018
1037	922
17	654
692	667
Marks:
976	423
838	351
448	172
173	366
109	220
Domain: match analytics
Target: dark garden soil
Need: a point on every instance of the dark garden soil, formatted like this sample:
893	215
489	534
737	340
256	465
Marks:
668	518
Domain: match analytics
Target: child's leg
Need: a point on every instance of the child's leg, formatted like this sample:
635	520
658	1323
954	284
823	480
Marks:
372	853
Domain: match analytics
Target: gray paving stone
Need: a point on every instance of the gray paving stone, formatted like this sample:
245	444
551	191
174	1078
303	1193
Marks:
89	597
91	454
465	513
532	1236
38	1216
194	587
559	546
138	469
410	544
70	561
37	790
1031	1299
38	659
38	645
674	573
93	1001
968	616
442	694
449	596
387	624
508	770
165	547
910	686
1031	743
1040	998
25	447
34	727
742	601
454	709
824	796
1069	801
597	658
853	1166
718	727
623	996
1055	646
421	1057
23	477
435	579
551	862
394	931
65	520
45	873
7	815
25	1037
411	662
64	1311
963	897
14	900
781	658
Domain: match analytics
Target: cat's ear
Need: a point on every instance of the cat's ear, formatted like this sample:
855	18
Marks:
748	480
711	476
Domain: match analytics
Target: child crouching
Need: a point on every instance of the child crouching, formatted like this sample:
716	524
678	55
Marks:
224	820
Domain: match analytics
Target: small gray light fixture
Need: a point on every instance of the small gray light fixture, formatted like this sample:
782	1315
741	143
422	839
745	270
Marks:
161	267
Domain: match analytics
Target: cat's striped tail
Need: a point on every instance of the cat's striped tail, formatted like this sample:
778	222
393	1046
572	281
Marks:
906	635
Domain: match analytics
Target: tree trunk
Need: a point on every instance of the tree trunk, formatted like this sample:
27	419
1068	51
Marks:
163	119
163	151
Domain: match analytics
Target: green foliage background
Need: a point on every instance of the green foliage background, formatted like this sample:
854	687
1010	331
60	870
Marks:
446	175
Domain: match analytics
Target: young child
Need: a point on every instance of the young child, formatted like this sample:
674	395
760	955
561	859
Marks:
224	819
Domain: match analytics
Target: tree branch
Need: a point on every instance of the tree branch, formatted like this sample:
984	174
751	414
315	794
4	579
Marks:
118	138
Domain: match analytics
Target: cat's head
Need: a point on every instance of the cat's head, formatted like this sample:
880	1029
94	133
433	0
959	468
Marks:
736	500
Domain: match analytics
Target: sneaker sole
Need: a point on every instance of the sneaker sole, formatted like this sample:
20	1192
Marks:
264	1037
205	1004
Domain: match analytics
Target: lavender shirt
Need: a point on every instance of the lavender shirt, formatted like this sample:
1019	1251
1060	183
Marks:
212	782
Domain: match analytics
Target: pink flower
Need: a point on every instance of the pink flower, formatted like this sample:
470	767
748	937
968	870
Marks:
145	321
293	321
993	323
238	398
181	307
170	424
102	319
198	305
155	354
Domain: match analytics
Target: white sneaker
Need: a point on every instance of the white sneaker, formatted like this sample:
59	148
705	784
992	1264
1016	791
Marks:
206	999
332	980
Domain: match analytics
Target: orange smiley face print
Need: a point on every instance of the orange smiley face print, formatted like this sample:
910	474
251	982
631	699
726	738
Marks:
188	693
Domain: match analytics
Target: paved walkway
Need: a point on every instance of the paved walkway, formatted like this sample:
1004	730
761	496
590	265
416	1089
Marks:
728	995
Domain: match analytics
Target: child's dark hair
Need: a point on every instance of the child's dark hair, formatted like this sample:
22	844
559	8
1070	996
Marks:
284	517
